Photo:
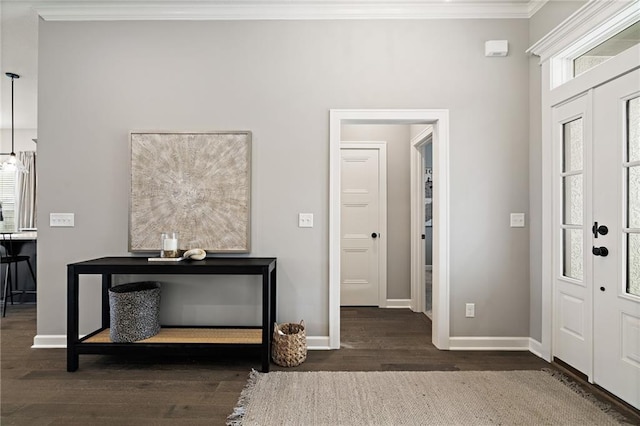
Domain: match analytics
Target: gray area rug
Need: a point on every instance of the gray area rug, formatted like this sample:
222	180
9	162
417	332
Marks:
416	398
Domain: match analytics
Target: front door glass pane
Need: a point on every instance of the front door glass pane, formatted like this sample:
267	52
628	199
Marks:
633	197
633	129
572	203
572	149
633	264
572	253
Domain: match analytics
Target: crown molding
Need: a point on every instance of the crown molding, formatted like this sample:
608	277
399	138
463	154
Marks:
283	10
535	5
578	25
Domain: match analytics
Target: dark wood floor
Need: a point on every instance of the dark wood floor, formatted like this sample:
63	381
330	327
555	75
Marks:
108	390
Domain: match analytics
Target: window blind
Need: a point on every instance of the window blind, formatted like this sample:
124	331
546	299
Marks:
8	200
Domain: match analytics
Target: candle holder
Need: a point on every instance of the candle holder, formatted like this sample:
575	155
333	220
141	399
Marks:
169	244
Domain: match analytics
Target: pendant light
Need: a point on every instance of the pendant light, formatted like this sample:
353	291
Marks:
13	164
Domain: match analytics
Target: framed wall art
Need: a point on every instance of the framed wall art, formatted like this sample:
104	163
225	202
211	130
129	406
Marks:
195	183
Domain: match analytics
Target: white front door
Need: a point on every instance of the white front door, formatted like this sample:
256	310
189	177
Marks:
616	206
597	236
361	226
573	286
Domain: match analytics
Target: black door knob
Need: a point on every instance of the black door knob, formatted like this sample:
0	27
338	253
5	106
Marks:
600	251
602	289
374	235
602	230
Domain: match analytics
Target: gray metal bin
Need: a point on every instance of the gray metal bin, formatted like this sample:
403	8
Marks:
134	311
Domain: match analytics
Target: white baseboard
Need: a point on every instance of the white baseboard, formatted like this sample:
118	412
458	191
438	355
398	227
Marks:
398	303
51	341
318	343
321	343
535	347
489	343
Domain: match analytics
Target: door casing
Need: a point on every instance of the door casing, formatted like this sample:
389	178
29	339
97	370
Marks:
439	119
417	219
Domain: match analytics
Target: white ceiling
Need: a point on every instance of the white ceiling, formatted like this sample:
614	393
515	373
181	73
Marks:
19	26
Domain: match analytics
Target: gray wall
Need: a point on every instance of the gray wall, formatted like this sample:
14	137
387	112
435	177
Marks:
99	80
398	201
547	18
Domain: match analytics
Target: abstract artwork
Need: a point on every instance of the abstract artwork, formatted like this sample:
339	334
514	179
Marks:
195	183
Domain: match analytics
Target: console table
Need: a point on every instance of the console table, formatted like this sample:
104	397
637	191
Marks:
178	340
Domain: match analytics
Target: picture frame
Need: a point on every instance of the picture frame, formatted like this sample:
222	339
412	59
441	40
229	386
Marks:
428	197
195	183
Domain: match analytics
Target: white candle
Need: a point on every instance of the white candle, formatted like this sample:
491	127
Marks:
170	244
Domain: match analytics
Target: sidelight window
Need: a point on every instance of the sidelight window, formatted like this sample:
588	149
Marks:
632	172
572	199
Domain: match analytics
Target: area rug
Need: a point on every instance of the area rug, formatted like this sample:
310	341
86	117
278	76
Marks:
416	398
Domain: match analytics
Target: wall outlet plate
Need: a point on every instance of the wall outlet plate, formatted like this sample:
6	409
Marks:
517	220
305	220
470	310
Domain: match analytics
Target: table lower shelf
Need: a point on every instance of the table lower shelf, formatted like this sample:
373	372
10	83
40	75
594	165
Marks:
232	336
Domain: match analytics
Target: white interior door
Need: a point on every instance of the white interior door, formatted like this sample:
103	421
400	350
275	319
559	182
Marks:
361	226
616	206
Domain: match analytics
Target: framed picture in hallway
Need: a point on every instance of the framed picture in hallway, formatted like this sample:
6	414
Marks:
195	183
428	196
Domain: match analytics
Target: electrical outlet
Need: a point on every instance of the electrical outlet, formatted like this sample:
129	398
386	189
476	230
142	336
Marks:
517	220
470	310
305	220
66	220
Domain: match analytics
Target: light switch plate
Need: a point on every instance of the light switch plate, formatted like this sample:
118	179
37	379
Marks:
517	220
66	220
305	220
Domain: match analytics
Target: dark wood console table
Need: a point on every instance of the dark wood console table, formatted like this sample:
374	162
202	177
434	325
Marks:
180	340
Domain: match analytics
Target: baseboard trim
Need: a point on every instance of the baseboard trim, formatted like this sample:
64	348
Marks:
50	341
398	303
535	347
321	343
318	343
489	343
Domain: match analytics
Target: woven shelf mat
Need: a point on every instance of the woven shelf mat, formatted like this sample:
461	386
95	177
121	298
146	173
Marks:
193	335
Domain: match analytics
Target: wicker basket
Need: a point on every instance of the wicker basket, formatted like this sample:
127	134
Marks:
289	346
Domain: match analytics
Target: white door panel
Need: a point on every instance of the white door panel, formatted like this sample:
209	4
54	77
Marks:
360	218
572	319
596	316
616	205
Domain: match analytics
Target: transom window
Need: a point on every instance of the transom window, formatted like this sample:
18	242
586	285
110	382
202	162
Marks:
608	49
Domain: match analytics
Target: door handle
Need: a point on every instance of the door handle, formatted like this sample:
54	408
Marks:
374	235
600	251
602	230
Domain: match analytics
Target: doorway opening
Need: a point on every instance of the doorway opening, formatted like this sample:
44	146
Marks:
422	201
439	120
